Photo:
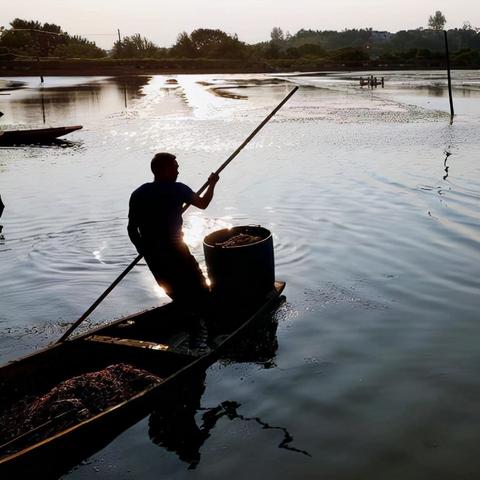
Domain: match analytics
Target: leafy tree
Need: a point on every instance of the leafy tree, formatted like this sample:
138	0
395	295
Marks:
78	47
209	43
34	39
437	22
135	46
29	37
184	47
276	35
206	41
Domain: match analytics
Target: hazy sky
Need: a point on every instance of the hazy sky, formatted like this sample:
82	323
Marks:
252	20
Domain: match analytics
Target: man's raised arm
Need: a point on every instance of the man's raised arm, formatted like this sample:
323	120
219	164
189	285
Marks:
204	202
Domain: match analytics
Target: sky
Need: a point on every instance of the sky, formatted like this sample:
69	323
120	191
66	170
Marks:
161	21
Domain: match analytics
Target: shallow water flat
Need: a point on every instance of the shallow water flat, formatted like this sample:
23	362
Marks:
373	198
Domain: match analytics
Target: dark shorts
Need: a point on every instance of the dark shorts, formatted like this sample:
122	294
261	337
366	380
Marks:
178	273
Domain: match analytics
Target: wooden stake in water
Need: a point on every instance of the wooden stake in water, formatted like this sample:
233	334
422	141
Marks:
448	73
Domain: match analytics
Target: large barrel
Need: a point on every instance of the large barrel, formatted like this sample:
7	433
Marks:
240	272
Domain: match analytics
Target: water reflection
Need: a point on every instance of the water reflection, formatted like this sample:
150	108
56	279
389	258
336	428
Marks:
435	90
174	425
53	103
447	154
180	433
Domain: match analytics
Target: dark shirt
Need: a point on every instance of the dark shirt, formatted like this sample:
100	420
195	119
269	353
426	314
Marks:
155	215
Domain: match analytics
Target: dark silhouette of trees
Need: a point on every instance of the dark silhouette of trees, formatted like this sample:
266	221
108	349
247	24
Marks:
184	47
136	46
209	43
33	39
305	49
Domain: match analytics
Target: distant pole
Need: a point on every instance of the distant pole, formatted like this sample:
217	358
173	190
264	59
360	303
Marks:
448	73
119	37
41	76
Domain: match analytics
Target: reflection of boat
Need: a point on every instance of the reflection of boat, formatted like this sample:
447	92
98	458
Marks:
37	135
152	340
180	424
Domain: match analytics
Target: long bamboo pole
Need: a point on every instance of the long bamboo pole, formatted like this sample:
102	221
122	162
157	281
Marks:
202	189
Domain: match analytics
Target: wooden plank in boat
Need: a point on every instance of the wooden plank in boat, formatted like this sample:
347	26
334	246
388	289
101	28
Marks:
128	342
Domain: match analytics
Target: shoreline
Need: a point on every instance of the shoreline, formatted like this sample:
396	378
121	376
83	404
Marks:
113	67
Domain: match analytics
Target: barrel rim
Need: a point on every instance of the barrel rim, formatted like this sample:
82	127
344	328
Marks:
237	246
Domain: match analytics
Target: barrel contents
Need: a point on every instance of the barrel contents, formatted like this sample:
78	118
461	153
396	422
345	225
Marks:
239	240
72	401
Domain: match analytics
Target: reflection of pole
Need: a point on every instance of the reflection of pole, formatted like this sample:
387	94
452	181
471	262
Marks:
41	76
43	107
448	73
125	94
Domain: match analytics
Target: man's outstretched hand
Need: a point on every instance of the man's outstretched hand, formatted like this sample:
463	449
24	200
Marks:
213	179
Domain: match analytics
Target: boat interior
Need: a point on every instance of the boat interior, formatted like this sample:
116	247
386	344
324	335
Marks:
154	340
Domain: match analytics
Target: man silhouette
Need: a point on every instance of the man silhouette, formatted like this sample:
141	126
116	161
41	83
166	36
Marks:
155	228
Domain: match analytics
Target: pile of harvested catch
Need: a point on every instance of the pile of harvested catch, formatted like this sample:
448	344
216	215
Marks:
74	400
239	240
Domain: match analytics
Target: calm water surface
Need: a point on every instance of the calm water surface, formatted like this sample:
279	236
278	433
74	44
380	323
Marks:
377	235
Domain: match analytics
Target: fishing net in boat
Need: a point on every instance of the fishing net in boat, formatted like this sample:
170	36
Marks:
74	400
239	240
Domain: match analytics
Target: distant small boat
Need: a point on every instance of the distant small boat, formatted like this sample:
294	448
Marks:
37	135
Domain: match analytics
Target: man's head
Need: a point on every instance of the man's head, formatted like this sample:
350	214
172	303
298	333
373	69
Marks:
164	166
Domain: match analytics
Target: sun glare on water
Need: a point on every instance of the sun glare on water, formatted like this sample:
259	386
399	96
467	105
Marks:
197	226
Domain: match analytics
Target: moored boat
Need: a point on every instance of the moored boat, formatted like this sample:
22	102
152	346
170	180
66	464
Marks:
35	136
154	341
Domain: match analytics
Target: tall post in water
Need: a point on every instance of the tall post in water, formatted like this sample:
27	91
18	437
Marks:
448	73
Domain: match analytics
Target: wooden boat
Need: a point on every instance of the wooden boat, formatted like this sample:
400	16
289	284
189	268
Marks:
35	136
153	340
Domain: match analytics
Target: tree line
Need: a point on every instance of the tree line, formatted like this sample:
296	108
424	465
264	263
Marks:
422	46
30	38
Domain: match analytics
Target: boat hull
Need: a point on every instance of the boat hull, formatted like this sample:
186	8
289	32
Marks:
35	136
139	340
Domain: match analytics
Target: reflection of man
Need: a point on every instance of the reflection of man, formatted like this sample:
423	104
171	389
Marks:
155	228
